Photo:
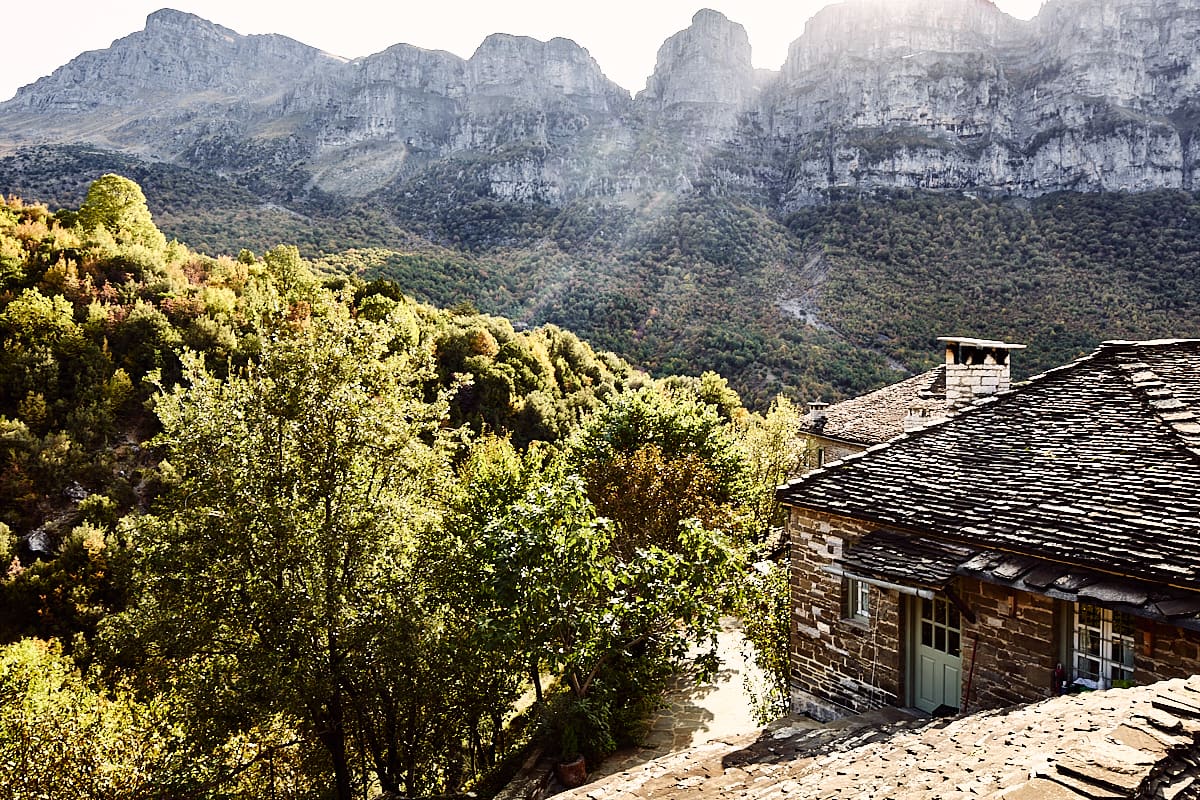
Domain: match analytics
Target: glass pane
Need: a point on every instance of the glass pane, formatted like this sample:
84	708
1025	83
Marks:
1089	643
1104	645
939	639
926	608
954	623
1122	652
939	610
954	644
1090	616
927	634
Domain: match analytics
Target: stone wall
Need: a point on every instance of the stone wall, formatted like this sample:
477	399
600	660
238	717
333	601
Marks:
838	666
831	450
1164	651
841	666
1014	643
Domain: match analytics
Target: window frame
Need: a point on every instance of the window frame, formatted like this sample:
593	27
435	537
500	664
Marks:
1105	639
856	601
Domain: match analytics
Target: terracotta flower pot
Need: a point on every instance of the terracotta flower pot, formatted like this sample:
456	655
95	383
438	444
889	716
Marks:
572	773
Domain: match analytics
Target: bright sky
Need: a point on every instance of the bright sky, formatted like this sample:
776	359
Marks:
622	35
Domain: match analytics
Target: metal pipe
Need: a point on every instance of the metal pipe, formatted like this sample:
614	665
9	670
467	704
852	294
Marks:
837	571
971	673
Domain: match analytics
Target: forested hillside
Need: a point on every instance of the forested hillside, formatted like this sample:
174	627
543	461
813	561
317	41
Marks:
832	301
274	531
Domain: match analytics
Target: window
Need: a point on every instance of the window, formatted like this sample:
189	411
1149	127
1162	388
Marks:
820	456
1103	646
857	600
941	626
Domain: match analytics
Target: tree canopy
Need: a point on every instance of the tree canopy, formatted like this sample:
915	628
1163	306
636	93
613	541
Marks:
382	522
117	205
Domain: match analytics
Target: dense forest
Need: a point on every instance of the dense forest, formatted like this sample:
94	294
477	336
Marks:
274	530
829	302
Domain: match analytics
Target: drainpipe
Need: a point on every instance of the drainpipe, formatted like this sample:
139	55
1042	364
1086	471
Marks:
971	673
837	571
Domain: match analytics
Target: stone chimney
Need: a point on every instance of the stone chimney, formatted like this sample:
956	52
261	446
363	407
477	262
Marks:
975	368
816	410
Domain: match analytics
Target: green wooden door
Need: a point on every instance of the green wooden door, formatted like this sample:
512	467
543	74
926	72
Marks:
936	654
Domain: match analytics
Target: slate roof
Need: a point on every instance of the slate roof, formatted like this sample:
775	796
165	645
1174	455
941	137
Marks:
1094	464
923	563
1122	743
879	415
1177	607
908	560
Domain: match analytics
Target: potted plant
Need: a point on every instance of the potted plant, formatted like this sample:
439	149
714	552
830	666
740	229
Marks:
571	769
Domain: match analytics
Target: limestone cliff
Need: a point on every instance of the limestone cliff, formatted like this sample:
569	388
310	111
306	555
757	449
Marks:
954	94
942	94
703	77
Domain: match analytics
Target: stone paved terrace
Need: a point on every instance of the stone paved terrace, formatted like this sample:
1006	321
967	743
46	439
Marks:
1124	743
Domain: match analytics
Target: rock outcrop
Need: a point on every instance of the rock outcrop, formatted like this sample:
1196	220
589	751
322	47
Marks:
937	94
703	78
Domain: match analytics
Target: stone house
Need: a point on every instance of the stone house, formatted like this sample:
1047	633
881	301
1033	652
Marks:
1046	535
973	368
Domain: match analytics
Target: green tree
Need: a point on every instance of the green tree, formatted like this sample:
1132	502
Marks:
611	623
773	451
60	737
301	482
652	459
765	608
118	205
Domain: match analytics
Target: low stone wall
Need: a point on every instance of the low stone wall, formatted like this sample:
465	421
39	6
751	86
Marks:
534	779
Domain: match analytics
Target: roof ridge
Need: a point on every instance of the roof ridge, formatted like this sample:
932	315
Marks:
1157	395
1114	348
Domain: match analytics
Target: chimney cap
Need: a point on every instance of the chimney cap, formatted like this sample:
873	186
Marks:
983	343
817	405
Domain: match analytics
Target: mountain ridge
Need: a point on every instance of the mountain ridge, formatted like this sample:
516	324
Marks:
935	94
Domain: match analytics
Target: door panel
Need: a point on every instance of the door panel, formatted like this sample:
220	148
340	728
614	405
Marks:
936	637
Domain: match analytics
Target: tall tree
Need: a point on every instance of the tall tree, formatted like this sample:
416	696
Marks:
653	459
301	482
118	205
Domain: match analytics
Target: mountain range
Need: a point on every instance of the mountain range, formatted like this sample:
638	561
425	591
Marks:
938	94
916	168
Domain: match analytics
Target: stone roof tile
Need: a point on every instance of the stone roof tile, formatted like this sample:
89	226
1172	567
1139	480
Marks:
908	560
1142	742
1078	466
876	417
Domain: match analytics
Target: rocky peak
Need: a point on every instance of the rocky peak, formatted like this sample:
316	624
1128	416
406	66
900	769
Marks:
703	72
888	29
175	55
169	22
941	94
507	68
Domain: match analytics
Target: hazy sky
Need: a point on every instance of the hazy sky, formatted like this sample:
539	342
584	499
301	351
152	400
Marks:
622	35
